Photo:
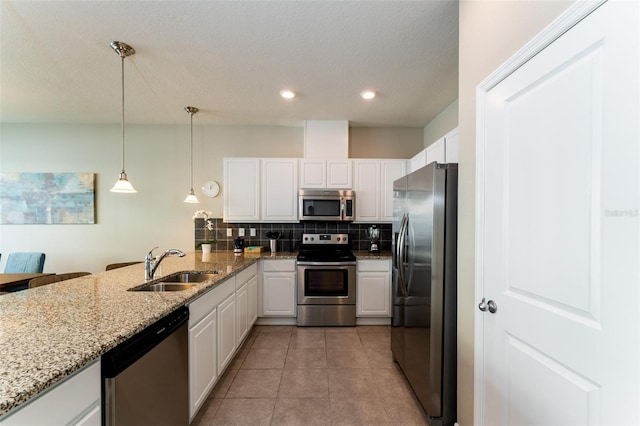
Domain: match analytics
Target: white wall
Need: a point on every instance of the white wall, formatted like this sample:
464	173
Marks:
490	32
444	122
157	164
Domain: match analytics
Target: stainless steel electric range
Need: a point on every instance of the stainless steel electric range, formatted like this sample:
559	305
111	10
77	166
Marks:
326	281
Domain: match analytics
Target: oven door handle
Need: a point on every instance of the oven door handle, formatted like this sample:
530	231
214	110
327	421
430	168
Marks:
304	263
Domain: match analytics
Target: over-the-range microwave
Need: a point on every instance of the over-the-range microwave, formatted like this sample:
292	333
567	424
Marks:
326	204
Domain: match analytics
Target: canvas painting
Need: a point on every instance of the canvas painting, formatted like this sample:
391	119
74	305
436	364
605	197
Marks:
47	198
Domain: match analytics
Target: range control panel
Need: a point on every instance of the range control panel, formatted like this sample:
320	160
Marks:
325	239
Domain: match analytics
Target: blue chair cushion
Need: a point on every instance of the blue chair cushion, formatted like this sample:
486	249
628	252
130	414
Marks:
24	263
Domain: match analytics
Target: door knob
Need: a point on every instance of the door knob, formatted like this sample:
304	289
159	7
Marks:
490	306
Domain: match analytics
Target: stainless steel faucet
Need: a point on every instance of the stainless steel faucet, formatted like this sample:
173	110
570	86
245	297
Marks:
151	263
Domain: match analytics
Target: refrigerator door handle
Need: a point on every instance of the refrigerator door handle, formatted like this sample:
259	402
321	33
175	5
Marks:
401	253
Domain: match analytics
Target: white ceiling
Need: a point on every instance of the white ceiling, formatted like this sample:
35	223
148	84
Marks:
230	59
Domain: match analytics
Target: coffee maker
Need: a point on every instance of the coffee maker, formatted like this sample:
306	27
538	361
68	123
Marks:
373	234
238	246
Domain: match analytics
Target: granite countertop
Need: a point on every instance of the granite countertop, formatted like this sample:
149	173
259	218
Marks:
364	255
49	332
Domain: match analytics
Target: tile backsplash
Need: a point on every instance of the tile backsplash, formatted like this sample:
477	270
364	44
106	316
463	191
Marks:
290	233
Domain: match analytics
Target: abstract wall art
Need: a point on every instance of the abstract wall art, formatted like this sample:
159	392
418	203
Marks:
47	198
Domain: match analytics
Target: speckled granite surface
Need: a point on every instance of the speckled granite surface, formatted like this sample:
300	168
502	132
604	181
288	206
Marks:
49	332
363	255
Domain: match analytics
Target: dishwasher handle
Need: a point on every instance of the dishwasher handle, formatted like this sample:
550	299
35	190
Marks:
126	353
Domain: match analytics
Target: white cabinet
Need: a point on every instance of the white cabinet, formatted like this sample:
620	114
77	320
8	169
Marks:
325	174
74	401
241	190
218	322
279	196
279	288
227	343
451	146
242	314
252	304
373	184
367	186
260	190
390	170
203	342
373	288
444	150
246	301
203	371
436	152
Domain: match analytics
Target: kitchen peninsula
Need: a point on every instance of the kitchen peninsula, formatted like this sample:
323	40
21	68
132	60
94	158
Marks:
49	333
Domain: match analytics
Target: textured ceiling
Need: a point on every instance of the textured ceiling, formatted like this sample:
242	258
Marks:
230	59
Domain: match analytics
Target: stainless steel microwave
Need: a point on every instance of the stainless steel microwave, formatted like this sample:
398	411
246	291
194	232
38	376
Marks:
326	204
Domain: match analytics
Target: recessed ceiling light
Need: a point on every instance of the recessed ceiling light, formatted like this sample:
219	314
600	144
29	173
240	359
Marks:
368	94
287	94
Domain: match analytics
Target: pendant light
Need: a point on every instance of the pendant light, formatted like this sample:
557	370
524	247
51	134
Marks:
191	198
123	185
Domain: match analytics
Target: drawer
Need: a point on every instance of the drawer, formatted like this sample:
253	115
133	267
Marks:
284	265
374	265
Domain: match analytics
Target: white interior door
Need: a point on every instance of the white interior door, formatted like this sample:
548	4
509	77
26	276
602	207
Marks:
558	241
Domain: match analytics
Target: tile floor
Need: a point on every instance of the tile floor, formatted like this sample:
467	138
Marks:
284	375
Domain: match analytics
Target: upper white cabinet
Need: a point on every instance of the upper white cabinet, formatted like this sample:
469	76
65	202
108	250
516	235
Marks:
444	150
260	190
436	152
241	189
325	174
373	183
279	189
451	145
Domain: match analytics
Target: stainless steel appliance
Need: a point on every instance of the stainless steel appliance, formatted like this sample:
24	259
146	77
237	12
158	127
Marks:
326	205
423	331
146	378
373	234
326	281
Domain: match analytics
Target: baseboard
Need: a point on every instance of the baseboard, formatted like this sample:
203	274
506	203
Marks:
373	321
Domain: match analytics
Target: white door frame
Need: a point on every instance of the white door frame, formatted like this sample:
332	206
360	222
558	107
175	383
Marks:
569	18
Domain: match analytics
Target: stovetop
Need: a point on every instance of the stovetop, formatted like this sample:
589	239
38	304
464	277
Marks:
325	248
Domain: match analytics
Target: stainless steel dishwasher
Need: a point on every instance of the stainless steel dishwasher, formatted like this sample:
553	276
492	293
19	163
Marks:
146	378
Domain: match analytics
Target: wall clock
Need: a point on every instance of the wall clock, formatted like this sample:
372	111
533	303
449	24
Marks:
210	188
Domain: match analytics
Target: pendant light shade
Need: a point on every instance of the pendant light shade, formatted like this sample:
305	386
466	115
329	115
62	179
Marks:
191	198
123	185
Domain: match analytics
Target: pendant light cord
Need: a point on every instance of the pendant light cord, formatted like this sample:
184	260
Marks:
122	74
191	122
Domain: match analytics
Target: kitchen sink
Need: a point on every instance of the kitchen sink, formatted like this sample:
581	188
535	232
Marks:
176	282
162	286
188	277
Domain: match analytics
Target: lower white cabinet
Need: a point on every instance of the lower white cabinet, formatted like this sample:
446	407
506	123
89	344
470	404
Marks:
242	313
218	322
252	308
279	288
74	401
227	343
373	288
203	371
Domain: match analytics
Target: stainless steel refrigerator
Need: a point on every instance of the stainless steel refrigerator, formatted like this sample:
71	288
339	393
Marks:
423	331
